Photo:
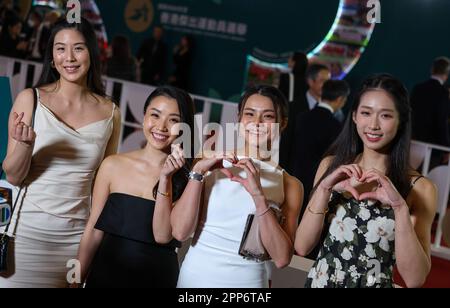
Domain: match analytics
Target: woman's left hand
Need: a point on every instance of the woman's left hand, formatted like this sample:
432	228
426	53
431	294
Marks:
174	162
386	192
253	181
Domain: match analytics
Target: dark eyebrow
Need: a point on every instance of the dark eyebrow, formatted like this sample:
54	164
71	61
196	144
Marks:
385	109
159	111
80	43
266	110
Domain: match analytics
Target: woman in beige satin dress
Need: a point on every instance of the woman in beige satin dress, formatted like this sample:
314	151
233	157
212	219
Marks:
75	127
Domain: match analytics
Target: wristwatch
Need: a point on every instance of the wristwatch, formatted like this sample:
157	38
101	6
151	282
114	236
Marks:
196	176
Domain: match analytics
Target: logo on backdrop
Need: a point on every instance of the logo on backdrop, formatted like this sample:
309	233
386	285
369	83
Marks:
74	13
139	15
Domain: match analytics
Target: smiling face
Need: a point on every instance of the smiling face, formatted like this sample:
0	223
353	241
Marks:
71	56
377	120
161	122
258	118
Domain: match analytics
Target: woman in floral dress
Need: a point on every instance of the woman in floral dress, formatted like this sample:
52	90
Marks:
376	210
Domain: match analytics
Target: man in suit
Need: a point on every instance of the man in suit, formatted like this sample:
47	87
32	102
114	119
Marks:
152	58
315	131
316	75
430	109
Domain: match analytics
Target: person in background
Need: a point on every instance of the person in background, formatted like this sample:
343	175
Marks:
182	59
36	49
11	43
315	132
152	58
293	85
430	110
121	64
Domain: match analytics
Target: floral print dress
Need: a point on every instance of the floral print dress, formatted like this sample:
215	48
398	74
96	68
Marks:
358	251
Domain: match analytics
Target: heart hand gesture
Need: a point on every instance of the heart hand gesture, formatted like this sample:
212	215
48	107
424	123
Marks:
252	183
342	179
21	132
386	192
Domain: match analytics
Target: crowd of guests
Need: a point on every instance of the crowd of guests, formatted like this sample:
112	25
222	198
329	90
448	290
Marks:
345	189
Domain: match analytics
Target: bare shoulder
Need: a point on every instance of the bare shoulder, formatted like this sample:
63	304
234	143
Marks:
424	186
106	104
292	180
24	103
326	162
292	183
423	194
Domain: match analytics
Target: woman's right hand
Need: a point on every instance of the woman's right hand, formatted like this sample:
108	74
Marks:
21	132
340	180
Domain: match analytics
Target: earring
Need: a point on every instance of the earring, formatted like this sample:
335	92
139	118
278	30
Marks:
52	64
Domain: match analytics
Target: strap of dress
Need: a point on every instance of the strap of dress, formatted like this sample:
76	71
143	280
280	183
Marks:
416	179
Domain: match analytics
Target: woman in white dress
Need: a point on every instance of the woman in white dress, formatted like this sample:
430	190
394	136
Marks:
75	126
217	208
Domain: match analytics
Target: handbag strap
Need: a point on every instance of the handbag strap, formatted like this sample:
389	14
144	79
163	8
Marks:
35	99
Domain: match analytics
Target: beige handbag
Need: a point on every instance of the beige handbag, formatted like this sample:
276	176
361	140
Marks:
252	247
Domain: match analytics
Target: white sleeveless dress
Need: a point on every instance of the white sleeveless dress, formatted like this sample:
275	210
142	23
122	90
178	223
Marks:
213	260
54	205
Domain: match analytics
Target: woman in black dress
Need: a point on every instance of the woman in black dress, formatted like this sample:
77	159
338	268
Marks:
128	240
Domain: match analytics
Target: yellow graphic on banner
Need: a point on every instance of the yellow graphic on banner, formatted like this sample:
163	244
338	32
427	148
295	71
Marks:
139	15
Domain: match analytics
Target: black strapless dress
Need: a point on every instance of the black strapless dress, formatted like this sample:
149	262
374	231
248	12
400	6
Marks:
128	256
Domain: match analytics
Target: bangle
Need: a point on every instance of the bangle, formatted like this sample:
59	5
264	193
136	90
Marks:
196	176
163	194
317	213
264	212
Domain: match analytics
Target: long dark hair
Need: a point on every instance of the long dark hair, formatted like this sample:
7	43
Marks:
186	107
349	145
50	74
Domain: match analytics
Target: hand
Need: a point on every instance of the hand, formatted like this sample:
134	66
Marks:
22	46
342	179
21	132
386	192
174	162
215	161
253	181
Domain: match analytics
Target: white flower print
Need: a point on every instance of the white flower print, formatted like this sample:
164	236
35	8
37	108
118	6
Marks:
339	275
364	213
354	273
363	258
346	254
382	230
370	251
342	229
319	274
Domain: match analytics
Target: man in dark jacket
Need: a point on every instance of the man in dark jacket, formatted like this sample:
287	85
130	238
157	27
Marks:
430	110
152	57
315	131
